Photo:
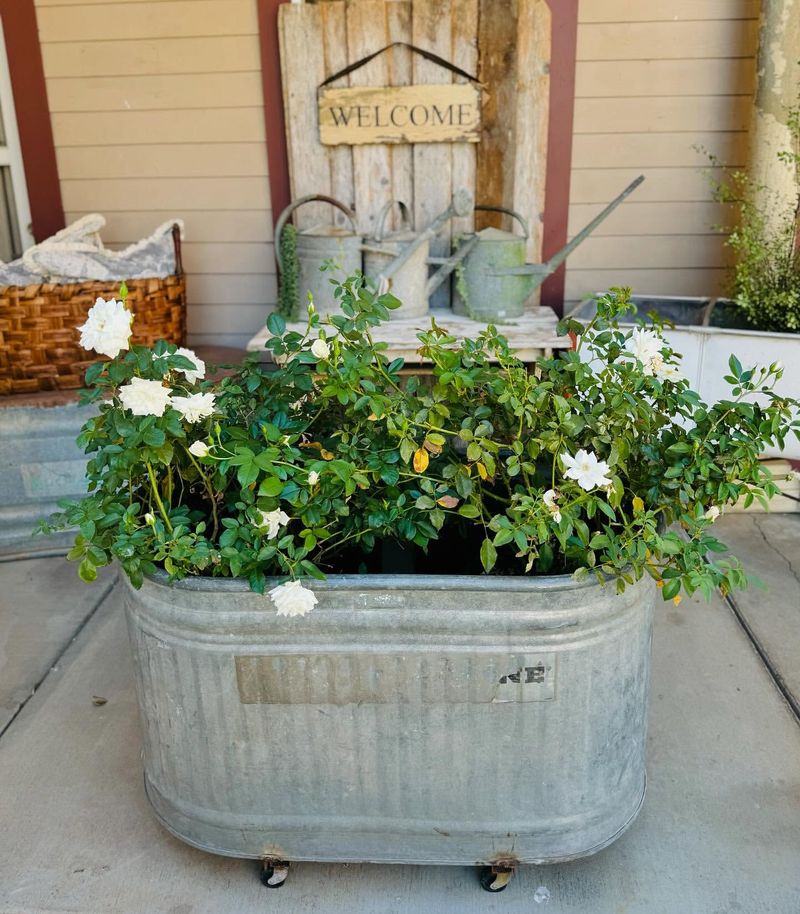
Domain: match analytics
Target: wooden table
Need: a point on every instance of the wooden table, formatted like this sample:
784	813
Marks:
532	336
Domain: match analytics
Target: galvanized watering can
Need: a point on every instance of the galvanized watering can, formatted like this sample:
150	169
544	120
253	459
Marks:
480	292
401	259
497	280
317	245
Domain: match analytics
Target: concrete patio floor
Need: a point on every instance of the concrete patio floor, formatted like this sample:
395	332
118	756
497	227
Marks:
719	832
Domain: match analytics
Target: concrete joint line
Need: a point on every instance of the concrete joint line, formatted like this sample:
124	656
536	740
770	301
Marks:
76	634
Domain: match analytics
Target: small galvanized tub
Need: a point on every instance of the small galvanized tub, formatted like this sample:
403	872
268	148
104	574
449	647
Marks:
407	719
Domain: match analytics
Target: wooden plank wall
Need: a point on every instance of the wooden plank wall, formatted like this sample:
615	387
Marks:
653	80
157	112
512	40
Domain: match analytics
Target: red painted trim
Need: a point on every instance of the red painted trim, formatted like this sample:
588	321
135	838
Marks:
33	116
564	40
277	155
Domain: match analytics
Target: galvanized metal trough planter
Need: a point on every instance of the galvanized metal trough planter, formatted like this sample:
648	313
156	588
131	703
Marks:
408	719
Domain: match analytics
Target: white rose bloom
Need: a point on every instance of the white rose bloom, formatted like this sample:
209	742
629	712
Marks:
666	372
108	328
273	521
199	449
712	514
199	365
292	599
586	469
645	345
320	349
549	498
195	407
145	398
313	478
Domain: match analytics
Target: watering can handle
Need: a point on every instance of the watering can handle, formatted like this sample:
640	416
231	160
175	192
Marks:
311	198
404	213
509	212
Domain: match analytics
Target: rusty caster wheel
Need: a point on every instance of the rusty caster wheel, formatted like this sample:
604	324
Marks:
274	872
495	878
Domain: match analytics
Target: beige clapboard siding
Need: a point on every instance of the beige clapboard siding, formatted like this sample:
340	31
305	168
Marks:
222	258
652	78
154	92
244	289
653	82
666	39
667	114
156	19
675	281
615	252
226	226
162	159
664	10
661	185
180	194
197	125
695	217
657	150
222	54
157	112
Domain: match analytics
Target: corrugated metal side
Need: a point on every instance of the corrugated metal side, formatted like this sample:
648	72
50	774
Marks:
379	728
39	464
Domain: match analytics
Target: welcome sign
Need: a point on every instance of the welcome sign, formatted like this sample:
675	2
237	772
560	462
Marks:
447	113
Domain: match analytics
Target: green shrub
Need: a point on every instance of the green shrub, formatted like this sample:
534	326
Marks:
579	467
765	285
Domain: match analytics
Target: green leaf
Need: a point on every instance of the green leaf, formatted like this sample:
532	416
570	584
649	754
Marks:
671	588
271	486
276	324
488	555
469	511
154	437
87	572
407	448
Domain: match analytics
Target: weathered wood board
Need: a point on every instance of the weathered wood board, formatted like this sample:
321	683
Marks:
505	43
532	336
400	114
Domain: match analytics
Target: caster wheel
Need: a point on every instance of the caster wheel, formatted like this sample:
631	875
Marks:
494	879
274	873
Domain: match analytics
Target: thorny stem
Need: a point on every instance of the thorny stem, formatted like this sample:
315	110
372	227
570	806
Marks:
157	497
209	489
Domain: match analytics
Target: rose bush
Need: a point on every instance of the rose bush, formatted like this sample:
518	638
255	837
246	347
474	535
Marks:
600	461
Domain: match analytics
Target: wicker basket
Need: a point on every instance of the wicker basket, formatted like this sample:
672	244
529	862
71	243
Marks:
39	340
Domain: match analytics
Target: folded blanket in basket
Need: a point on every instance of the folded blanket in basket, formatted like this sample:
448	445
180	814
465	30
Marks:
85	230
70	261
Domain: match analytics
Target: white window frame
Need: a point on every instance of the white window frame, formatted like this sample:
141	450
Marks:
11	153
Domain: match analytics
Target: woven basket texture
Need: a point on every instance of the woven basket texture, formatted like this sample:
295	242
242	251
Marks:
39	340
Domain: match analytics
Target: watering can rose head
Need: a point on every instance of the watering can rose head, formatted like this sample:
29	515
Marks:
603	462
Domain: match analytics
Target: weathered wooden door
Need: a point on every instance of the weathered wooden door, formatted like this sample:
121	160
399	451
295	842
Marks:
504	43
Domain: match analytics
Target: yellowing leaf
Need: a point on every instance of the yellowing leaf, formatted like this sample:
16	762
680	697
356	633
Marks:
372	417
482	470
677	600
326	455
421	460
448	501
638	505
431	446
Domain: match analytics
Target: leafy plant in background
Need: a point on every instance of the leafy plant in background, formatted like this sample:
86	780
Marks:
311	468
765	286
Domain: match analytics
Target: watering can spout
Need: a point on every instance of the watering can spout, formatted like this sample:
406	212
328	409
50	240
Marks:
461	205
540	271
